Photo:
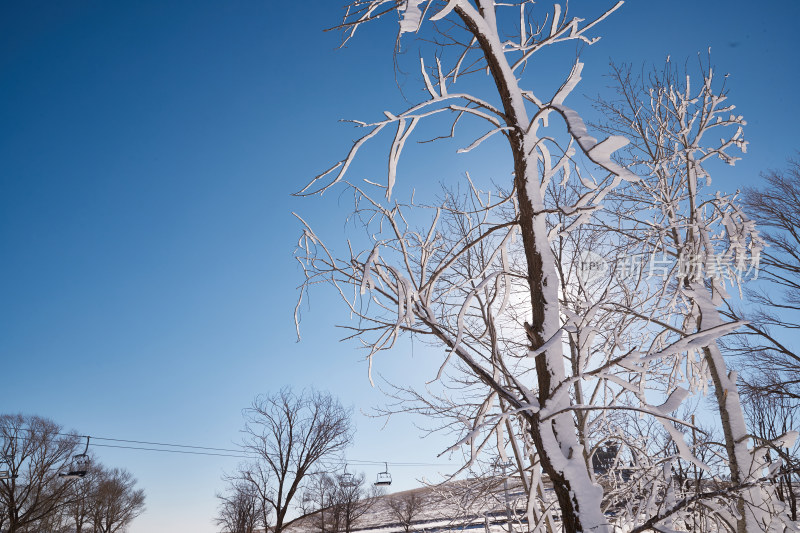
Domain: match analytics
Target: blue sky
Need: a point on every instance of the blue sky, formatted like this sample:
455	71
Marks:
148	151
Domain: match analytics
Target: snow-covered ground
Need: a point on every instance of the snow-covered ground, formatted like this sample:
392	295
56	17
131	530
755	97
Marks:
455	506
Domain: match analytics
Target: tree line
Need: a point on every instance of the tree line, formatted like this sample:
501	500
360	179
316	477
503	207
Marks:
42	490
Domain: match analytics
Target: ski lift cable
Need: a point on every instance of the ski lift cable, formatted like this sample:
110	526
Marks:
186	452
166	444
364	462
134	441
172	451
239	453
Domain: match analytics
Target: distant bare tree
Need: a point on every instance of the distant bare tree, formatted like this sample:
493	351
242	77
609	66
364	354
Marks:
405	508
351	500
770	359
116	501
317	501
80	498
291	435
239	508
56	522
34	450
774	207
772	417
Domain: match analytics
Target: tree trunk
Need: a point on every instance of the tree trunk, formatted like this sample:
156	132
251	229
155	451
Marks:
560	452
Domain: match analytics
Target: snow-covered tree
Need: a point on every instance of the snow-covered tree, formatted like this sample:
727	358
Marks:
411	285
706	245
553	357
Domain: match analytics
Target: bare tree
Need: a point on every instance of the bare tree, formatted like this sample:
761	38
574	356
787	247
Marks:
80	497
317	502
771	360
351	499
767	354
34	450
405	508
774	207
768	358
291	435
240	508
325	500
56	522
772	417
116	501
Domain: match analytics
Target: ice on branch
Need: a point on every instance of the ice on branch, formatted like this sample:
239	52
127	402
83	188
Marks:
673	402
411	16
599	153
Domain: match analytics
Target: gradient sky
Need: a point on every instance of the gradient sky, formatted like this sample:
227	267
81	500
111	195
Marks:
147	155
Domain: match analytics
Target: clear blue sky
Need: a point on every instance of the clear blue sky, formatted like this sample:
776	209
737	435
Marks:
147	155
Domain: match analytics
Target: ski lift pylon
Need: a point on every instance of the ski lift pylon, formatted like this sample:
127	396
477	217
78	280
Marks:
79	465
384	478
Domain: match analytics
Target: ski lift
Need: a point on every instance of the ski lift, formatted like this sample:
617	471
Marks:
346	479
5	473
499	464
384	478
5	466
79	465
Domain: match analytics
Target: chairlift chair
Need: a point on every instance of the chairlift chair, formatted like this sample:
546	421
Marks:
384	478
5	473
346	479
79	465
499	464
